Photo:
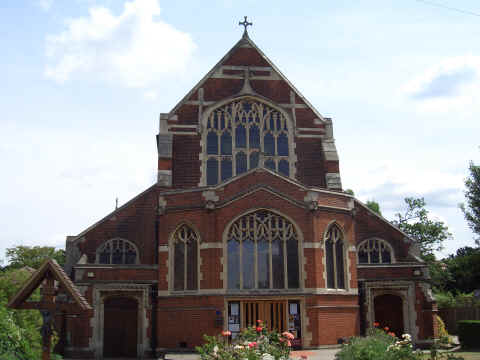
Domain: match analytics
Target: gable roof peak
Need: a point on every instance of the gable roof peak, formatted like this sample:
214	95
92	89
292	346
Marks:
245	42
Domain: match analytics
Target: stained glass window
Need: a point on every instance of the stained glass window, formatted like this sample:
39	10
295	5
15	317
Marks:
335	258
256	131
374	251
185	254
117	251
269	252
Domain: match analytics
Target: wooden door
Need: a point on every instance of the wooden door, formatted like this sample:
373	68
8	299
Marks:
120	327
272	313
389	312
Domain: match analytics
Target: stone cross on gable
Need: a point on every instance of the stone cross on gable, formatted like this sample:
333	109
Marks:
245	24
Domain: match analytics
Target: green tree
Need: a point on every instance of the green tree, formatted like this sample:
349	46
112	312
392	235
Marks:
19	329
471	209
415	222
33	256
464	268
374	206
349	192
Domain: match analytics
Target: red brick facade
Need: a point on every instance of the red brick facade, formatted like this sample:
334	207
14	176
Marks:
309	198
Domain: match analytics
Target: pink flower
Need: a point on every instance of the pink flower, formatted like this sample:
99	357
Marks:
259	329
252	344
226	333
289	343
288	335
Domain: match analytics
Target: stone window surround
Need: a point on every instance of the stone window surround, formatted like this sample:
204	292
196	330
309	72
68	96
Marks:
203	156
224	274
392	253
134	291
131	243
346	260
171	262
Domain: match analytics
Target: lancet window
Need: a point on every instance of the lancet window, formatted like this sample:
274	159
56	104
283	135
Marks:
185	255
262	252
243	135
117	251
335	258
374	251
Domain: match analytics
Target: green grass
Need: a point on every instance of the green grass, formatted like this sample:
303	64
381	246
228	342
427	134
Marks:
469	355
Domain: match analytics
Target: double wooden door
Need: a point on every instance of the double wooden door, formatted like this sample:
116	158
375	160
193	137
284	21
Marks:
273	313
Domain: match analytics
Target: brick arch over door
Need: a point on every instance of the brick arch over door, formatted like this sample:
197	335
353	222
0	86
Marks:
262	249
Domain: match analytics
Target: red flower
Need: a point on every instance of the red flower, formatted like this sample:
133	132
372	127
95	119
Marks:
386	328
252	344
226	333
259	322
392	334
376	324
259	329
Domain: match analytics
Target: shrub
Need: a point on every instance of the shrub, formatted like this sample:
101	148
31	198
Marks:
253	343
468	331
378	345
441	330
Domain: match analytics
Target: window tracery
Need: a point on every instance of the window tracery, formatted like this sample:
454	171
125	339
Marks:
335	258
243	135
262	252
374	251
117	251
185	255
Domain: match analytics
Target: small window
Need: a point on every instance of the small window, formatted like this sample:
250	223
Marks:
185	254
335	257
374	251
117	251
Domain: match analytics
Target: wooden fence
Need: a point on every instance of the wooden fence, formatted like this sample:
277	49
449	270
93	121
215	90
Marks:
450	316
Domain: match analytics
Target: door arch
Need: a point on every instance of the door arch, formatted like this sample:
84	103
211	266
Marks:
388	309
120	336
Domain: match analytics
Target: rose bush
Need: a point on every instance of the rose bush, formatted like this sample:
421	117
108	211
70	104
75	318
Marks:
253	343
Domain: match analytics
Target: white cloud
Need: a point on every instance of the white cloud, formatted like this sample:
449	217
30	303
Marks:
134	49
45	4
451	84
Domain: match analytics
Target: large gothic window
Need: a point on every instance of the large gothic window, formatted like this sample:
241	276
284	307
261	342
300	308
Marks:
262	252
185	254
117	251
243	135
335	258
374	251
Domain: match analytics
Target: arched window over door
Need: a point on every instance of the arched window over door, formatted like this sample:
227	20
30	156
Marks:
375	251
335	258
262	252
117	251
185	255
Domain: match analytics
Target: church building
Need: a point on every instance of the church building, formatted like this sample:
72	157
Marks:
247	221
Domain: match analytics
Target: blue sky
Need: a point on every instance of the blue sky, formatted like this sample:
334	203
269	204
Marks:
84	82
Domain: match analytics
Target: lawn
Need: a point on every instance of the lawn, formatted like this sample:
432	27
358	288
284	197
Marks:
469	355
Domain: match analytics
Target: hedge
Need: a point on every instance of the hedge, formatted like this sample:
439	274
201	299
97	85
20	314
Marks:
469	332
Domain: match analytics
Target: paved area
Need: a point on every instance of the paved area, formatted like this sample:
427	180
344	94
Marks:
320	354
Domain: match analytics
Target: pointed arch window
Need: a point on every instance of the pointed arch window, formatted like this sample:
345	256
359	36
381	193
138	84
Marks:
117	251
262	253
375	251
243	135
335	258
185	256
